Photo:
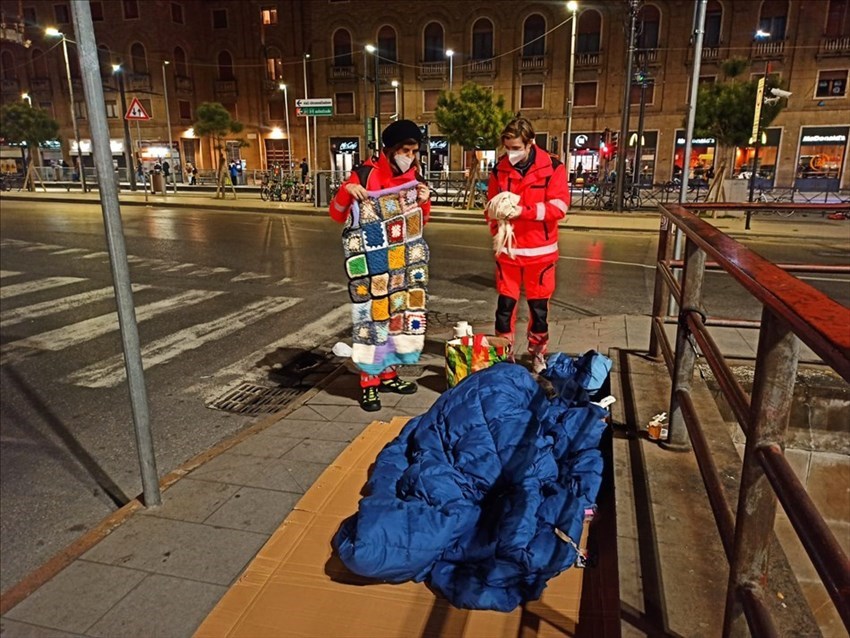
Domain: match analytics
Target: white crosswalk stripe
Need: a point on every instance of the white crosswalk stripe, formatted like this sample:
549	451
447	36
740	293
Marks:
110	373
9	273
6	292
89	329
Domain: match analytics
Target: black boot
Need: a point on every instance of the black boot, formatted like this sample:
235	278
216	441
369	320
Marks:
398	386
370	400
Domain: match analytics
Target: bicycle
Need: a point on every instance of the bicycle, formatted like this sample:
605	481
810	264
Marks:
763	197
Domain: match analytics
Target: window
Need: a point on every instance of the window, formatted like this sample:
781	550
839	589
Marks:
342	48
387	43
225	66
838	19
30	16
131	9
7	66
584	94
634	94
96	11
344	103
274	64
388	102
713	24
146	104
111	109
276	111
184	108
588	32
434	50
531	96
542	140
648	20
773	19
80	109
180	66
533	36
268	15
430	100
138	58
60	11
39	64
482	39
104	60
832	84
219	18
176	13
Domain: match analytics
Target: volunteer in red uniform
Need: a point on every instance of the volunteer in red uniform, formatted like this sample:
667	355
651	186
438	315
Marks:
396	165
527	195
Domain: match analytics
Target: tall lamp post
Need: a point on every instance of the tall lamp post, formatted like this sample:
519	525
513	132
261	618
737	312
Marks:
53	32
374	51
395	100
128	148
168	124
26	96
572	7
450	54
307	118
282	87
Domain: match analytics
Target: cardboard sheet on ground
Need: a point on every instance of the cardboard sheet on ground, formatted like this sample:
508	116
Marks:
296	587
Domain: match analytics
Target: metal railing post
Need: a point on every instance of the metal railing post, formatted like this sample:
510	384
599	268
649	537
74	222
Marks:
659	296
773	393
683	368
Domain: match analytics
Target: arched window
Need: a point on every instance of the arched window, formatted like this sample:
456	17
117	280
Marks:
104	60
342	48
533	38
435	49
7	66
39	64
588	31
774	19
713	24
225	66
387	43
138	58
181	67
482	39
274	64
648	21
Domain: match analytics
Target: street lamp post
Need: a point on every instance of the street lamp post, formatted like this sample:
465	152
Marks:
282	87
26	96
128	147
374	51
53	33
398	114
450	54
307	117
168	124
572	6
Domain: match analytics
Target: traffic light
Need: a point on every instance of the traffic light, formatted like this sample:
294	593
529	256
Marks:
614	143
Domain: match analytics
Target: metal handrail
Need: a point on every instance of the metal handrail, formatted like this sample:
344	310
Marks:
793	311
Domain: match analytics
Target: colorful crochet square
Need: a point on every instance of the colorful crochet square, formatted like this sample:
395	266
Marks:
396	256
374	236
416	299
397	323
379	284
398	280
395	231
414	225
384	280
377	260
352	243
414	323
358	290
417	276
381	309
356	266
398	301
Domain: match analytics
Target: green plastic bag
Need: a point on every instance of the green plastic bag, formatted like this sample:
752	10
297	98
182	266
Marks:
467	355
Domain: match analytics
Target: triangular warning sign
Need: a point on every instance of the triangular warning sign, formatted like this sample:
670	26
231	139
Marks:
136	111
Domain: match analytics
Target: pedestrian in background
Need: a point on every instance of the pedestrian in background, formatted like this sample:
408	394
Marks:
527	196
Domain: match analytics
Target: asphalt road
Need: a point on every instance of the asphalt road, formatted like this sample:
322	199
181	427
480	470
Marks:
221	297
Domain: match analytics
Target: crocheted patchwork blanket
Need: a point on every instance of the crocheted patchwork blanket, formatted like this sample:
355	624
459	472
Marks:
386	260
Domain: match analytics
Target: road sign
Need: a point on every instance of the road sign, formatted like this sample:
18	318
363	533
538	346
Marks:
757	114
319	106
136	111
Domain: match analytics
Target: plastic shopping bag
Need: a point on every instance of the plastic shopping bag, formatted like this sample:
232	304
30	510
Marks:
471	354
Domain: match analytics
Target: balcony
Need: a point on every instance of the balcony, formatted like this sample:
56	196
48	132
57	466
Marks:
834	47
762	50
10	86
184	85
588	59
481	67
337	72
40	86
532	63
432	70
138	82
647	56
226	89
388	71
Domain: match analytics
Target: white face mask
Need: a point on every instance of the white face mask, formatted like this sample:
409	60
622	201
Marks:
515	157
403	162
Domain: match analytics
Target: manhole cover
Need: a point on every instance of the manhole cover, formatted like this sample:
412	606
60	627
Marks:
249	398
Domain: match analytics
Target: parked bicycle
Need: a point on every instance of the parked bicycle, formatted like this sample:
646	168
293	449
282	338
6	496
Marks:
765	196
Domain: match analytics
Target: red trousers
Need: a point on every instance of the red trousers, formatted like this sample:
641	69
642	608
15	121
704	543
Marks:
370	380
538	280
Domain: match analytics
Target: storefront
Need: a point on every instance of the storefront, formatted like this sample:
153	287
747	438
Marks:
768	153
116	146
12	155
584	157
345	155
648	153
701	159
438	154
820	158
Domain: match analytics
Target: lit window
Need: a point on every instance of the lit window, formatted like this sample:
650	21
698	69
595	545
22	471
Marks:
269	15
832	84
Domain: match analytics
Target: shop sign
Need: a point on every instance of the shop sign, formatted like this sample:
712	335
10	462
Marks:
824	139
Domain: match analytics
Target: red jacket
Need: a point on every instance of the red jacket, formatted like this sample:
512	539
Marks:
544	198
380	177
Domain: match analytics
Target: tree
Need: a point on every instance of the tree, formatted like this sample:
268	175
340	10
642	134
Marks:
473	119
25	125
214	120
725	110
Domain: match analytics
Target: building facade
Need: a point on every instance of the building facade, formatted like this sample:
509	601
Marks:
260	57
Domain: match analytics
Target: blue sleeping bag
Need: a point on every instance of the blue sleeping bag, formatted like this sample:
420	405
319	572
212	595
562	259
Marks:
484	495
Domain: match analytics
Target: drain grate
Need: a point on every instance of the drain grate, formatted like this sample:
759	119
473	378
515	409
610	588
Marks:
249	398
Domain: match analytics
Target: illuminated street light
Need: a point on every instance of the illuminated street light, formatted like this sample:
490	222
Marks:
450	54
26	96
374	51
395	98
282	87
572	7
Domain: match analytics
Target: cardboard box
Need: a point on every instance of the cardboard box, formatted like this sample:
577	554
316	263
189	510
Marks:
296	587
